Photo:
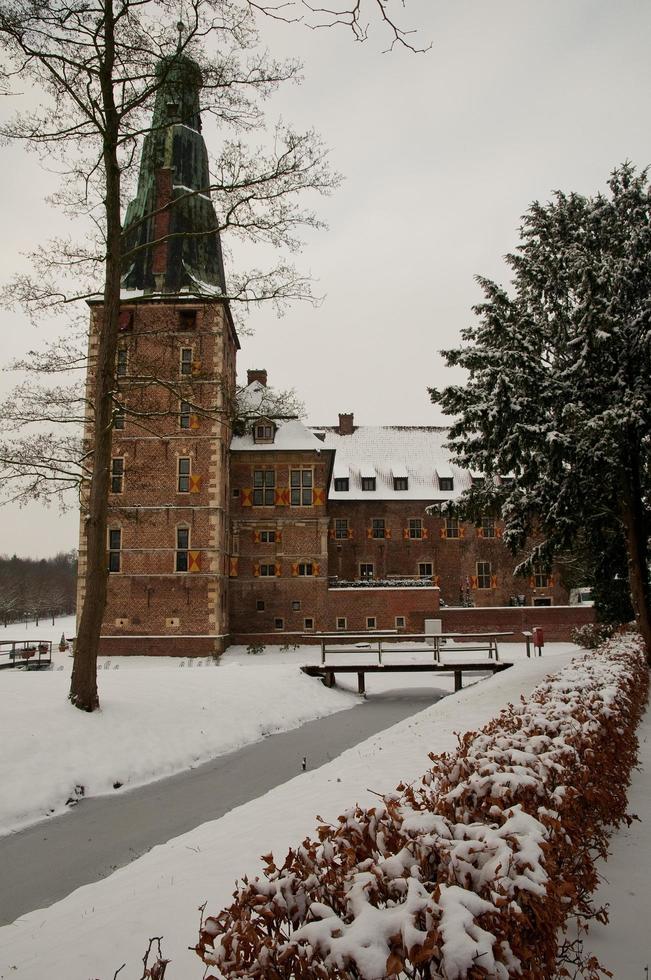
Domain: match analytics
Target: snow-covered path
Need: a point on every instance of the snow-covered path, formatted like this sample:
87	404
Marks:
46	861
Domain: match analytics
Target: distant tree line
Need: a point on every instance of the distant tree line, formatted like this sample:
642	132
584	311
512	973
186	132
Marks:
37	589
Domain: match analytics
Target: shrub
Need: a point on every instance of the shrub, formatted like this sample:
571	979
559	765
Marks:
472	872
253	649
592	635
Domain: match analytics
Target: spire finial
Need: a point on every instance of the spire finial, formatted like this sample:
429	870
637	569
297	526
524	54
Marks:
180	28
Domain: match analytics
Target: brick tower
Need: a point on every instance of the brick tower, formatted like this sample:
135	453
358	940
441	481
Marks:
167	546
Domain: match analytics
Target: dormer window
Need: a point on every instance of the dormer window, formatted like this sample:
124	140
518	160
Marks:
477	482
264	431
342	483
368	483
400	483
446	483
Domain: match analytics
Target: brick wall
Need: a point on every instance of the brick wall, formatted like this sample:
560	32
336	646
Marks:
557	622
453	559
148	595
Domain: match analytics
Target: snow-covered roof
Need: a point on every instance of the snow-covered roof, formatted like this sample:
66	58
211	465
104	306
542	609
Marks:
291	435
415	452
341	470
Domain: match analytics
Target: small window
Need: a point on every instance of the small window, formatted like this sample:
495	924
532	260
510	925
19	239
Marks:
300	482
182	547
488	527
483	575
185	412
267	537
477	482
125	321
542	600
187	319
114	549
186	359
341	528
368	483
121	364
117	474
263	432
305	568
264	488
342	622
371	622
400	622
259	605
342	483
308	623
183	474
446	483
415	529
541	577
268	570
296	605
366	570
279	623
425	569
378	527
506	481
451	527
236	491
400	483
118	418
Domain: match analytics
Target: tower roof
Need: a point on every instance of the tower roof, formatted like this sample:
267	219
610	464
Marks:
171	242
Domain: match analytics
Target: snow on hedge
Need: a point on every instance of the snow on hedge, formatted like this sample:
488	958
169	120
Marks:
470	873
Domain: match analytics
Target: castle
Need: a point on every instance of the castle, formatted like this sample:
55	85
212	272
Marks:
283	529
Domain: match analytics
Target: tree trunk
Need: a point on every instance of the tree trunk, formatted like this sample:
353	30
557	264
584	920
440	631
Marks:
636	542
83	685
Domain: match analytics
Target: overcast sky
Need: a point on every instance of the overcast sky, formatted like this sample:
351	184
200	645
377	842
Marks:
441	152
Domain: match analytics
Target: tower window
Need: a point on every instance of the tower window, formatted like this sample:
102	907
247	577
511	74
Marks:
114	549
182	548
121	364
117	474
187	319
183	474
118	418
185	411
186	359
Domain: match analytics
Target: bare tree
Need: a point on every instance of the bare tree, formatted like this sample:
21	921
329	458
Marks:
98	67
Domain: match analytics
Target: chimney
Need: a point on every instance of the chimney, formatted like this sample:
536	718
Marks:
345	427
256	374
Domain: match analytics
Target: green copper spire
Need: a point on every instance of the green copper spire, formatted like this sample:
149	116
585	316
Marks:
171	224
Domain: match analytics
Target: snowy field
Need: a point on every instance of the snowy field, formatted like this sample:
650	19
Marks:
100	926
162	715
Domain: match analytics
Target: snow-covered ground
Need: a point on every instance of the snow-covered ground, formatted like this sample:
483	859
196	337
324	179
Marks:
160	716
100	926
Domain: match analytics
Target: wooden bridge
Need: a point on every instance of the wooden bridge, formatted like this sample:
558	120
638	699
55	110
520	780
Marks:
382	644
31	654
